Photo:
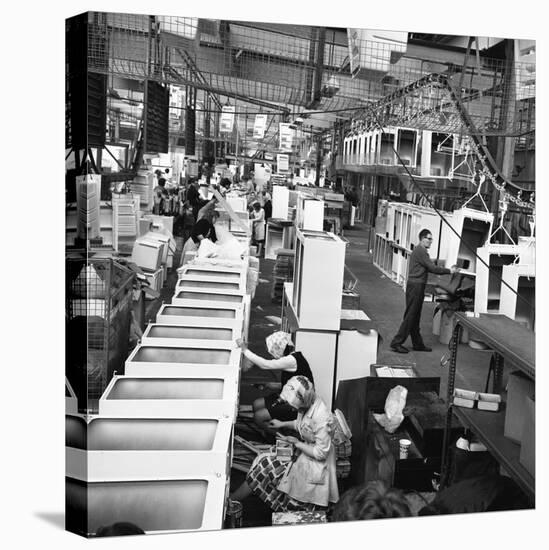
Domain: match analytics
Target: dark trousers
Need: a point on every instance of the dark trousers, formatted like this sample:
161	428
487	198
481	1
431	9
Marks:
415	294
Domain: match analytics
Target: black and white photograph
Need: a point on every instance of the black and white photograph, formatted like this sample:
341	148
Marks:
299	282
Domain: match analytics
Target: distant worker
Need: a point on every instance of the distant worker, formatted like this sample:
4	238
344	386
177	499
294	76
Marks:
250	187
161	197
202	229
193	197
267	205
420	265
258	224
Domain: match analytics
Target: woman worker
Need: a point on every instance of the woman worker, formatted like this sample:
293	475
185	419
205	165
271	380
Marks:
290	363
203	229
258	223
309	481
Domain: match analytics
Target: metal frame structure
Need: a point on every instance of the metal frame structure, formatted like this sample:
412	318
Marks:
301	72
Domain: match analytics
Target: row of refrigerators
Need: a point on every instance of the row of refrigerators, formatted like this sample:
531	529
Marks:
158	453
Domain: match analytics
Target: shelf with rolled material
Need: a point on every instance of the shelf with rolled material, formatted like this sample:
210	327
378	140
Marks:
171	397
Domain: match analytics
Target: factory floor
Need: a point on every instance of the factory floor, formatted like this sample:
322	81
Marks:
383	302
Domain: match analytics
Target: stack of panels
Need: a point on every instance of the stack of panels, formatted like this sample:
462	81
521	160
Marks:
125	211
143	185
125	222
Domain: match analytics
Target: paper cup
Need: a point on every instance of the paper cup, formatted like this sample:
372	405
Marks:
404	448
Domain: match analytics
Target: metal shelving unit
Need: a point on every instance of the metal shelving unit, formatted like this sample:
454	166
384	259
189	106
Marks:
515	344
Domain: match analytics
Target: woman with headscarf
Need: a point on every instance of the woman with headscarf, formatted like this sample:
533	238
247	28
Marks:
308	481
202	229
286	360
258	226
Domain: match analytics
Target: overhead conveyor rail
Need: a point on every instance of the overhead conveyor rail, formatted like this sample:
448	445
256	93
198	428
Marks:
390	111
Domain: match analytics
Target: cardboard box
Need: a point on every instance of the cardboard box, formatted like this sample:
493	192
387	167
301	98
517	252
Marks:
528	448
519	387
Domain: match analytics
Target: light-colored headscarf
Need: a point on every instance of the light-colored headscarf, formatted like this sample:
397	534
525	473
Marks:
298	392
277	342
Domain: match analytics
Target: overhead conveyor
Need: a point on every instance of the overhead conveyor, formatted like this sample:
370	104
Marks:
391	110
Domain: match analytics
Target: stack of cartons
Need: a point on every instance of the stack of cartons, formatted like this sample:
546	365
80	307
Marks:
143	185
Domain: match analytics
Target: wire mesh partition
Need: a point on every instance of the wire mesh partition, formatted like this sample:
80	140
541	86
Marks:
311	69
98	307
